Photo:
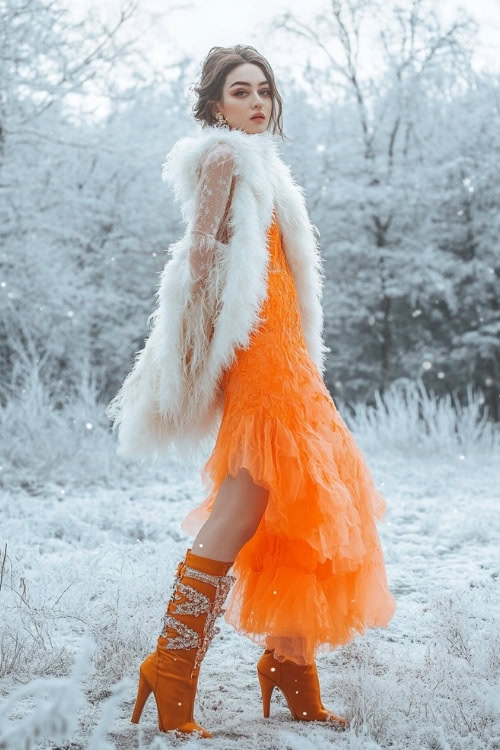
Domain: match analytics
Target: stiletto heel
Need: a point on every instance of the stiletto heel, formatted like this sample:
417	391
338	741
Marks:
143	693
300	687
266	687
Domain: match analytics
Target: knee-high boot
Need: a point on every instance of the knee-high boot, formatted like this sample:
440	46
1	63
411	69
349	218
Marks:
171	671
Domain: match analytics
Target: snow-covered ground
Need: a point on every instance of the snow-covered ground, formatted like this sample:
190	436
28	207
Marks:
85	575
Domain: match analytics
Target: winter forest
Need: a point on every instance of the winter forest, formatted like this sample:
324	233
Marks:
392	121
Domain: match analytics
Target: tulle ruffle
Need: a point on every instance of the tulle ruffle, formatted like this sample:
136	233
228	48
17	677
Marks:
314	571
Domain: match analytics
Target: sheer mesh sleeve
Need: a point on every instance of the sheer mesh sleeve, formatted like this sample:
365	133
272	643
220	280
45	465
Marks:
212	207
210	232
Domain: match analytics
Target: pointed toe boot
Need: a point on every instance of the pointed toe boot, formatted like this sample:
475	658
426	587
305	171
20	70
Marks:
300	686
171	671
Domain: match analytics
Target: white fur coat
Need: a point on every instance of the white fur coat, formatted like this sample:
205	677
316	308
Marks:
171	399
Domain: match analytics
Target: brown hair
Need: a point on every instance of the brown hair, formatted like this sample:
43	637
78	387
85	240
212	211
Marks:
215	68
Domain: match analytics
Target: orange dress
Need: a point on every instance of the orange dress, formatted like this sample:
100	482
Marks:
313	575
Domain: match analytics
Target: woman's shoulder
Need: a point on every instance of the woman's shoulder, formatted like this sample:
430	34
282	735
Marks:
185	156
246	155
219	152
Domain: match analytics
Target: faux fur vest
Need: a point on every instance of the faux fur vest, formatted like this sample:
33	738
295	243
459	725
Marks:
167	402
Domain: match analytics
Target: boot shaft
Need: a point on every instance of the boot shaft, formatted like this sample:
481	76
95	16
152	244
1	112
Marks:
199	592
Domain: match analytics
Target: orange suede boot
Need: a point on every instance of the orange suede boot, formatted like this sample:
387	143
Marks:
300	686
171	672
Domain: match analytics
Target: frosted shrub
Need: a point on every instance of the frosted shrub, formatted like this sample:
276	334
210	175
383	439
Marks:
57	702
442	695
408	417
113	594
112	600
459	668
54	433
26	645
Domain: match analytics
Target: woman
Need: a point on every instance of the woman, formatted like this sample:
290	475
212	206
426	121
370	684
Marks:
234	361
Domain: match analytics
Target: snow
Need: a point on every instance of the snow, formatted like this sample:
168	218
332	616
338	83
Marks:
87	574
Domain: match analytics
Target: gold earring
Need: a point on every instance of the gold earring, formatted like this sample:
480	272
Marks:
221	121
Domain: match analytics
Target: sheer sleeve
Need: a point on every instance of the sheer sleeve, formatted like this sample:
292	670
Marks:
211	209
212	205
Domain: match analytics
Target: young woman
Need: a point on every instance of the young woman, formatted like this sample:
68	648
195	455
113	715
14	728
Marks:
234	361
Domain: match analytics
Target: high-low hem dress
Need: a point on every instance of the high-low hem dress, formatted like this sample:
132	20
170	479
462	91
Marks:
313	576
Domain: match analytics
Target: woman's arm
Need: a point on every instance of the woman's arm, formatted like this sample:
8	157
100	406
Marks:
213	201
212	206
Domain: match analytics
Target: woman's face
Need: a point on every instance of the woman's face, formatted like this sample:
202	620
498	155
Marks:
246	92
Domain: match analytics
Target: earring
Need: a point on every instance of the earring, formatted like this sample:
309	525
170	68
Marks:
221	121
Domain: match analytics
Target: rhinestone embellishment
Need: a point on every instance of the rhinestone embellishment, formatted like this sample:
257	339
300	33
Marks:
187	637
196	603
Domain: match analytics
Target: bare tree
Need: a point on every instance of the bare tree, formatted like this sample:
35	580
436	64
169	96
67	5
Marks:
416	51
45	58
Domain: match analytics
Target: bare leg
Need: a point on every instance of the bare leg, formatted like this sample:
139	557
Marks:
286	648
237	511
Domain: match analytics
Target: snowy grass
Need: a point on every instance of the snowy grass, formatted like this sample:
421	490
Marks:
408	417
88	549
53	433
50	435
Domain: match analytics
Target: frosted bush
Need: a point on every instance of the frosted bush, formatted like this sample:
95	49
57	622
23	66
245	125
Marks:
407	417
56	704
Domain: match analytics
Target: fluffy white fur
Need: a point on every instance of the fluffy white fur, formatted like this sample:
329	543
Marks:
171	399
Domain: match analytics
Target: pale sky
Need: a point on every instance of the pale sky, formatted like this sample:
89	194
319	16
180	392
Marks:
172	29
205	23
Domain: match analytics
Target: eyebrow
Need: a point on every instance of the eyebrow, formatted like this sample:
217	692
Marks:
244	83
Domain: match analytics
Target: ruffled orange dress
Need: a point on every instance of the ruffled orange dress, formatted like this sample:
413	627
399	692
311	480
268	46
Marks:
313	576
